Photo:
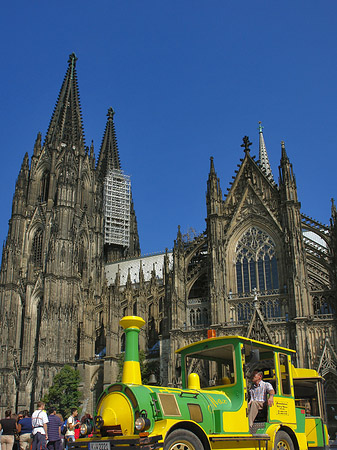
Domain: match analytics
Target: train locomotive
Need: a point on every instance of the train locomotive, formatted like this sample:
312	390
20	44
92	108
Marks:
210	410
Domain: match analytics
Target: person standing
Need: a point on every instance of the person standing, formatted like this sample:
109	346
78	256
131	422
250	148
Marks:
54	430
39	424
9	427
25	430
71	424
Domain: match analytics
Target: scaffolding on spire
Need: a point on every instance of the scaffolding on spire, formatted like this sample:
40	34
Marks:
117	205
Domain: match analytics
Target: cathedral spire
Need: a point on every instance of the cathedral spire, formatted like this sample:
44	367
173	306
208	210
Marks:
108	158
66	123
263	155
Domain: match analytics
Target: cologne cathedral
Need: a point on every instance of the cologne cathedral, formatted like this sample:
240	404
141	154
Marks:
71	267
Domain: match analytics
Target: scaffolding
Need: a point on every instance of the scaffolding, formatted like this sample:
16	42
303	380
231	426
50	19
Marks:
117	202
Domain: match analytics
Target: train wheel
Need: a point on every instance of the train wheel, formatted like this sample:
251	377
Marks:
283	441
183	440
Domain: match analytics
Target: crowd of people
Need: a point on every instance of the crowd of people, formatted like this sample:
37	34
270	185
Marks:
40	431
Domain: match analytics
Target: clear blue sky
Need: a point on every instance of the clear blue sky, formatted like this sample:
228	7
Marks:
187	79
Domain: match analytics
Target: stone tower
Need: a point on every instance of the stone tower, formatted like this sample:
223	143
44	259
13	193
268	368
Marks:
52	280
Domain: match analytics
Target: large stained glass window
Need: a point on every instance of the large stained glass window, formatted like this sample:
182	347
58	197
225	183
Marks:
256	265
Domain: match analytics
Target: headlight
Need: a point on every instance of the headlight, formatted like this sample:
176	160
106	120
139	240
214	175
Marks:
86	428
142	424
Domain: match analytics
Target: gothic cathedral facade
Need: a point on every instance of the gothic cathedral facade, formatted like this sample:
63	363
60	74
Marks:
71	267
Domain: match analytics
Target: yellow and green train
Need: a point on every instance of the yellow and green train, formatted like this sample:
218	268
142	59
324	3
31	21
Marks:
209	412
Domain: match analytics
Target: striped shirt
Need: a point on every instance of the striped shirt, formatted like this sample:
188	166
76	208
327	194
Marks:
259	393
54	427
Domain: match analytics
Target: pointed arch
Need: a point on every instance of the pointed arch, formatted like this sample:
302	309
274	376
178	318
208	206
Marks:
82	255
44	186
37	246
256	261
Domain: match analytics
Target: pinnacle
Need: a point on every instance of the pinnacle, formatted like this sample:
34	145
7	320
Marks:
66	122
263	155
108	155
111	113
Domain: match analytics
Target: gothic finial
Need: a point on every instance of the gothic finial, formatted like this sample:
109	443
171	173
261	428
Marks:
72	59
246	144
260	127
212	170
111	113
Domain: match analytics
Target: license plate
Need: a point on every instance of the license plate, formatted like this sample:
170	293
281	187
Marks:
104	445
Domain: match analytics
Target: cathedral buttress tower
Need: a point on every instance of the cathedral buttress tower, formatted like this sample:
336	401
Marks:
215	233
297	277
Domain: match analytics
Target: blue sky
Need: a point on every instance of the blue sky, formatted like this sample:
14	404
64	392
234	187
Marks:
187	79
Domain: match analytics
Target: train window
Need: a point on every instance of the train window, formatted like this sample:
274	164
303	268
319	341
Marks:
215	366
307	396
195	412
284	372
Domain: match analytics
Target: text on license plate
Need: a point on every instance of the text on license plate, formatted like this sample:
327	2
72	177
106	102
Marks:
104	445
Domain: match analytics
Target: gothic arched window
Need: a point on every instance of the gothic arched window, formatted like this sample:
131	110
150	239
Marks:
192	318
256	265
44	187
81	256
37	248
123	343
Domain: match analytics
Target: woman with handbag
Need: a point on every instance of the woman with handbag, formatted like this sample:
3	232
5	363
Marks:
8	426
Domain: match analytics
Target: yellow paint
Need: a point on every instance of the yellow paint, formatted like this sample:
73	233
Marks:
162	427
236	421
131	373
118	411
310	431
132	322
283	410
193	381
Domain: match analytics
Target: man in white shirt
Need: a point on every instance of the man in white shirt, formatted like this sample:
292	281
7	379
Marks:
39	424
71	424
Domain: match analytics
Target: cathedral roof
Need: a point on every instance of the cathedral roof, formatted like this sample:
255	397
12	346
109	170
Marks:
108	158
66	123
132	267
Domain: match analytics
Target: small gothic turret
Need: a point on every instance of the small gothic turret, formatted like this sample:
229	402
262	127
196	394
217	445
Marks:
214	193
37	145
287	182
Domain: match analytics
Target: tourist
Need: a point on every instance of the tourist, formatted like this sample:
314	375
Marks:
25	430
54	430
72	422
261	393
8	426
39	423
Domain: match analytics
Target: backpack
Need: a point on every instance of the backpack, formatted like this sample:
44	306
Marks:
64	427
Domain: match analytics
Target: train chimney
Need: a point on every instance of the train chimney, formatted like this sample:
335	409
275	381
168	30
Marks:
131	367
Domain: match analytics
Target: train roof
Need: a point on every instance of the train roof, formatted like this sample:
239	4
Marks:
220	340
